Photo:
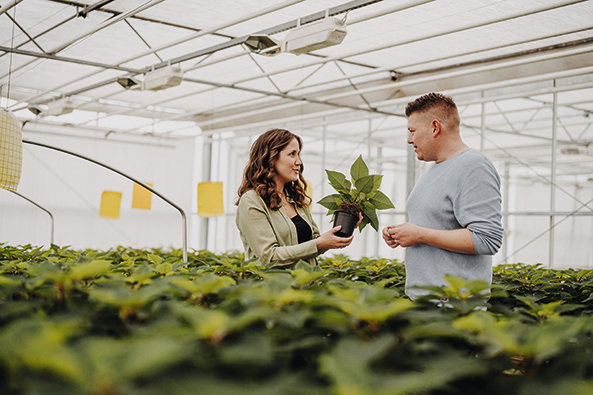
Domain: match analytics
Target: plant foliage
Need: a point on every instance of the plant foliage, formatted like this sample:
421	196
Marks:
129	321
362	190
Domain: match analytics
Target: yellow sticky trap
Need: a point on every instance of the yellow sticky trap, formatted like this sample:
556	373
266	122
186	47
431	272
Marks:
11	150
110	202
142	197
210	199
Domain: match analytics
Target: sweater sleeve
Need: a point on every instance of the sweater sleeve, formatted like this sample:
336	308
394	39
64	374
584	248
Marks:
478	208
257	228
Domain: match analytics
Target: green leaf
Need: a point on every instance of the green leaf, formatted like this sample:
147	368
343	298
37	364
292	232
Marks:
381	201
371	216
302	265
141	274
348	366
359	169
91	269
154	259
330	201
365	184
338	181
203	285
378	180
365	221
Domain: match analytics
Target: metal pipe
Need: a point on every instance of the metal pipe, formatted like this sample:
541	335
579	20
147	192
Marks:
411	174
183	216
464	73
95	29
396	85
350	22
206	171
375	71
8	6
553	176
106	23
377	235
299	118
548	213
228	44
211	30
42	208
505	208
457	55
482	124
370	48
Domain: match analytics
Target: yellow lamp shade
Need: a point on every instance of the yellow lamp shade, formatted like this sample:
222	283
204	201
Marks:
210	202
11	150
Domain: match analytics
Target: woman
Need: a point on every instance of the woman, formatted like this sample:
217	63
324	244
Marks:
273	216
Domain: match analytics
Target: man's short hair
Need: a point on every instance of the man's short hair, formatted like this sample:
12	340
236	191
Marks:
442	103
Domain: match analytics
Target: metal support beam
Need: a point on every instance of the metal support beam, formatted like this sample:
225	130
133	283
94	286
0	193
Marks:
183	216
8	6
51	237
377	235
206	171
411	174
482	124
553	176
505	208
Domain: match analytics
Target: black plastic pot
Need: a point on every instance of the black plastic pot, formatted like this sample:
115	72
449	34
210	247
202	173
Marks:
348	222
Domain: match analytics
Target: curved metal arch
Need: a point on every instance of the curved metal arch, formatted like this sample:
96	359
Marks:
181	211
42	208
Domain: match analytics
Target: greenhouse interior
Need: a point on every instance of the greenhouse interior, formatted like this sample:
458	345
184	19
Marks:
129	265
173	93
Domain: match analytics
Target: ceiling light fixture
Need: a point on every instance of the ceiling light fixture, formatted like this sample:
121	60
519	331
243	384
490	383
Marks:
578	150
325	33
163	78
262	44
129	82
59	107
35	109
302	39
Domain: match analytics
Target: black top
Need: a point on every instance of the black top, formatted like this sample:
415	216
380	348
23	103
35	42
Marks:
303	229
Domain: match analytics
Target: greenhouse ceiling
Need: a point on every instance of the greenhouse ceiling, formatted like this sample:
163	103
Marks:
178	69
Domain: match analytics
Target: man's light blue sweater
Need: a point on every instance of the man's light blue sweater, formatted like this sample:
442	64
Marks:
461	192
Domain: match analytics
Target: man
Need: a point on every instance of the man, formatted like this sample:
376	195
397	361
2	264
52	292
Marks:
455	207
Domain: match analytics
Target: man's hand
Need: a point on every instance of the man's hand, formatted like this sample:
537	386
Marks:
387	237
404	235
407	234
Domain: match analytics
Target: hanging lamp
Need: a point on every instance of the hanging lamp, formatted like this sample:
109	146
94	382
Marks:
11	150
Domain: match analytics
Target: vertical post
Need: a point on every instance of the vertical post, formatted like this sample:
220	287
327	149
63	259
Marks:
369	140
365	244
51	217
206	168
505	210
411	174
323	182
482	124
553	177
379	171
323	153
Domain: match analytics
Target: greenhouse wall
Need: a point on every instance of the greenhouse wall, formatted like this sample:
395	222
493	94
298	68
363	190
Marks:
71	189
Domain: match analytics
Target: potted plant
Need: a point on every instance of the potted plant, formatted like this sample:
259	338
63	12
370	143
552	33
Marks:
360	195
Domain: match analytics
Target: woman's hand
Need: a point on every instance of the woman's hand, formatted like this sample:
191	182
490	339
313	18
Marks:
359	220
329	240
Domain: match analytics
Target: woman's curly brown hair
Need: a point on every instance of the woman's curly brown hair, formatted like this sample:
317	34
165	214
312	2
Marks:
259	172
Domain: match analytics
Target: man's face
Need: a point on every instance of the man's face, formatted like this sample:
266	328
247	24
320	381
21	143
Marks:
421	136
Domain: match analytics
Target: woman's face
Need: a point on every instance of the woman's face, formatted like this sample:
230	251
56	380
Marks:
288	164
